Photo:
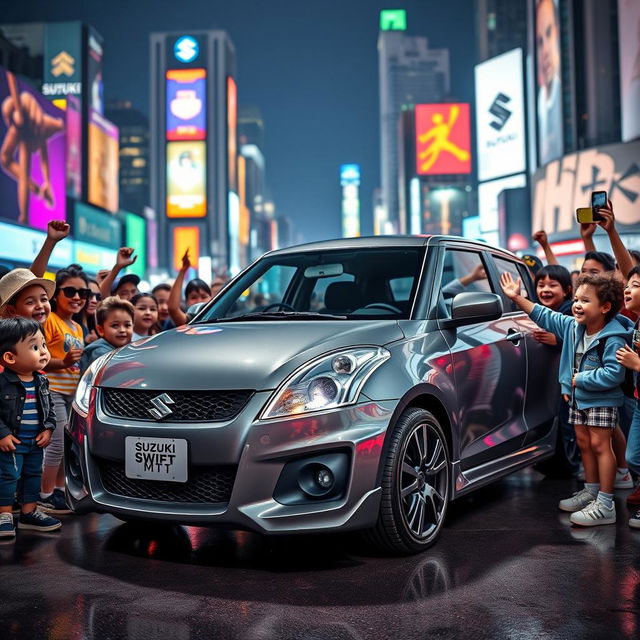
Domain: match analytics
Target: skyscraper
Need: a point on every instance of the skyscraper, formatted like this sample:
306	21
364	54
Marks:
409	73
133	127
193	146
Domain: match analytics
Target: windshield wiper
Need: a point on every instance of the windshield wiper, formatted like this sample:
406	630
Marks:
281	315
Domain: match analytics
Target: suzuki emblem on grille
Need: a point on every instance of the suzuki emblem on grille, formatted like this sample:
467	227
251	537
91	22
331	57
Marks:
161	410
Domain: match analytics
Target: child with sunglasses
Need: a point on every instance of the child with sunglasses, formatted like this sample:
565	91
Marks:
66	342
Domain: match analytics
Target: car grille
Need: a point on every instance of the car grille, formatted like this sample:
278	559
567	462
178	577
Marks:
189	406
206	485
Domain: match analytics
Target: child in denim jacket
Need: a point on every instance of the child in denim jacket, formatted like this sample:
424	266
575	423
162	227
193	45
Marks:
590	379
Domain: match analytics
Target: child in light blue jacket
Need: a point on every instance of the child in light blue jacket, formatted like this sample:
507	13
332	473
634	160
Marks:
590	379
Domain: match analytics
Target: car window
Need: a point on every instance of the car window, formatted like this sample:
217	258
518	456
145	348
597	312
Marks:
462	271
507	266
320	289
268	290
401	288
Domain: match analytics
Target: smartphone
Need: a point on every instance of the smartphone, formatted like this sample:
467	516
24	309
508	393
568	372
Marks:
584	215
598	199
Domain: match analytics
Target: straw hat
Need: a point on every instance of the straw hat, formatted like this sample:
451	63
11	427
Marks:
19	279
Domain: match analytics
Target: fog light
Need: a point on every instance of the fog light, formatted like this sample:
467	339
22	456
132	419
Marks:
324	478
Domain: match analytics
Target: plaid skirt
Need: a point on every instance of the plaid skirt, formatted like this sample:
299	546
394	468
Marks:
606	417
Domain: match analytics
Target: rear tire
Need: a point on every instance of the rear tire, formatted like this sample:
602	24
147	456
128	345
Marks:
415	485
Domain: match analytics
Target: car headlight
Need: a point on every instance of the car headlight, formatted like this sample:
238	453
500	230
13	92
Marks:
333	380
83	391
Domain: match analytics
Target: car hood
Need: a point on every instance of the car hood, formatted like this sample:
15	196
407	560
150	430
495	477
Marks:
256	355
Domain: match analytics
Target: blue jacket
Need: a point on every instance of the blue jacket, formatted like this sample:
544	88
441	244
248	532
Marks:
597	383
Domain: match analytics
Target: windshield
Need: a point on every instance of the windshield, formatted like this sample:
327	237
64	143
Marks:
324	285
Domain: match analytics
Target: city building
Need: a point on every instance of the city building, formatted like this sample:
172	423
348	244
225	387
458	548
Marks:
194	147
18	55
501	25
409	73
133	127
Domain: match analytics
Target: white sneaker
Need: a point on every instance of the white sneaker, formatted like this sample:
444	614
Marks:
623	480
577	501
594	514
634	520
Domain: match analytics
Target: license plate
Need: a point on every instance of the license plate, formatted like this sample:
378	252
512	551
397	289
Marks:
155	459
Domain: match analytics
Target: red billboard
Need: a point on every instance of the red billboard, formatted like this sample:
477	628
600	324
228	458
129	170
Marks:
443	139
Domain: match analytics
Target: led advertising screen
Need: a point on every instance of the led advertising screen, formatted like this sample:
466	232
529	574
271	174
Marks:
629	35
566	184
549	80
443	139
500	120
103	162
232	133
186	180
186	104
185	238
94	71
63	60
32	156
488	193
74	147
136	236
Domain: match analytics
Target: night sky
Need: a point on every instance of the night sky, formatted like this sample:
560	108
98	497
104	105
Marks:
309	65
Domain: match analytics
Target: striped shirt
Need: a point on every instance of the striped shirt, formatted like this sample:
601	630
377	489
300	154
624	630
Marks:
30	422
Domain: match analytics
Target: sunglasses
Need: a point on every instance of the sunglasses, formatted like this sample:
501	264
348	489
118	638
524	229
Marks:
97	296
70	292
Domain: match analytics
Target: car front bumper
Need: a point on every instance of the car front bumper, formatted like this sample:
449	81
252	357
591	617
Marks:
246	455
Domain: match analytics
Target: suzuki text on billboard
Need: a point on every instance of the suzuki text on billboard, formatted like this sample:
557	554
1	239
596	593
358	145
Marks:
443	139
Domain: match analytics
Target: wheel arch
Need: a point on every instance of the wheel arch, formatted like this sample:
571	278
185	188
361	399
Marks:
422	397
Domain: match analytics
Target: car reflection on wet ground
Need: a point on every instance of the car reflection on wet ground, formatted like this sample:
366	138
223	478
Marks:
508	565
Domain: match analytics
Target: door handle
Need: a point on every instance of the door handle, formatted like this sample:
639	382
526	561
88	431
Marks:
514	336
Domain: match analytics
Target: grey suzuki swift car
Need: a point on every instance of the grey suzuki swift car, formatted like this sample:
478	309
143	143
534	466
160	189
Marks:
354	384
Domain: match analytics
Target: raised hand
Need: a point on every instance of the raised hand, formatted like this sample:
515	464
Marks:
125	257
57	230
628	358
608	221
510	286
540	237
186	263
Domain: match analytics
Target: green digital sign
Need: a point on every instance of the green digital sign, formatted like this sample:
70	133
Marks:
393	20
136	237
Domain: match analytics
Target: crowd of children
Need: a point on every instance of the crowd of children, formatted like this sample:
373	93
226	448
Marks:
50	333
591	319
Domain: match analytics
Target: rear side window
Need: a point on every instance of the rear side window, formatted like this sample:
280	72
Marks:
506	266
462	271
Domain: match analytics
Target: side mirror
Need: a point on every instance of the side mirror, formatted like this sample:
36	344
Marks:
194	310
471	307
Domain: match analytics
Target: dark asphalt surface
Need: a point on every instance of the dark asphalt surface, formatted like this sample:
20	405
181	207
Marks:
508	565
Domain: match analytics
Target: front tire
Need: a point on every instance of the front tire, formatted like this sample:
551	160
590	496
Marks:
415	485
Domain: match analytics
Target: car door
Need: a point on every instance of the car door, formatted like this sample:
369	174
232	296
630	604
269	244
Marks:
488	361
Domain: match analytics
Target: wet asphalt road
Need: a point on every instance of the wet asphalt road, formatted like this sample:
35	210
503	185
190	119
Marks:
508	565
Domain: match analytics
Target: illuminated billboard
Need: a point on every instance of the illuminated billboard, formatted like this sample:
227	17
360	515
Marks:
186	179
566	184
232	133
63	59
94	71
185	238
549	80
186	104
500	119
32	156
443	139
103	162
350	182
488	193
629	30
74	147
393	20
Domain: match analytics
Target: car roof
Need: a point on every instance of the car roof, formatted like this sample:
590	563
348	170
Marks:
371	242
